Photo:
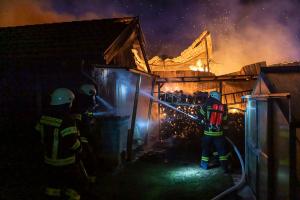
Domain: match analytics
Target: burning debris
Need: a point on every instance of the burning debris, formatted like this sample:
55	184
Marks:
196	57
178	125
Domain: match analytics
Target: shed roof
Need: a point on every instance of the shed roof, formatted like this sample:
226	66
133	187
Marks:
284	80
78	39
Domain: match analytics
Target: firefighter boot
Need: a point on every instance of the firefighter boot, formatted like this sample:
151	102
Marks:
52	193
204	165
71	194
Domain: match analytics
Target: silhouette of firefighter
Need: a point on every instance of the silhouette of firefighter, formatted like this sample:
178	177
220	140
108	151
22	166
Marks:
84	107
62	147
213	113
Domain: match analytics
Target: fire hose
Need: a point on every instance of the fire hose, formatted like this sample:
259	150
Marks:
242	179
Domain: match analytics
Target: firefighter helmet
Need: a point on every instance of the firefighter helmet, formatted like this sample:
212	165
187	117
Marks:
215	95
88	89
62	96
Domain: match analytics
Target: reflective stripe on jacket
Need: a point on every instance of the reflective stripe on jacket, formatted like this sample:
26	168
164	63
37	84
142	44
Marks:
213	133
60	139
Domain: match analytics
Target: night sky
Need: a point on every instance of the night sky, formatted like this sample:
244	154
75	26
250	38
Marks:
243	31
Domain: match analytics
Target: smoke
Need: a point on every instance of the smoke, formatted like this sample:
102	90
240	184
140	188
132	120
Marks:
265	31
24	12
14	13
243	31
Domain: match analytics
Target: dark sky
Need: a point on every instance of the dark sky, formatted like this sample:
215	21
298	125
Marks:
162	21
171	25
243	31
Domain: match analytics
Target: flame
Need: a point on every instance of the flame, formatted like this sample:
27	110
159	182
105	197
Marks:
198	67
236	109
172	88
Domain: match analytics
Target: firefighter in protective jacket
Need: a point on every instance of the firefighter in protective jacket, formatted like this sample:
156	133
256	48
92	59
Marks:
60	139
83	109
214	113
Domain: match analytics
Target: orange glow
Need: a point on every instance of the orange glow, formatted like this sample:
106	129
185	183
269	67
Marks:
198	67
25	12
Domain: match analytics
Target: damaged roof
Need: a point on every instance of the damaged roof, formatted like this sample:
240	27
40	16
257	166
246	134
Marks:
68	40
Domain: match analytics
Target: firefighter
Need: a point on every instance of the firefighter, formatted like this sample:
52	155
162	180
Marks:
214	113
83	110
61	144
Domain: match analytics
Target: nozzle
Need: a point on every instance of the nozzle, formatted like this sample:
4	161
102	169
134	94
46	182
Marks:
99	114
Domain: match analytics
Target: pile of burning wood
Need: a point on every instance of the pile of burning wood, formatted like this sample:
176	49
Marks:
178	97
176	124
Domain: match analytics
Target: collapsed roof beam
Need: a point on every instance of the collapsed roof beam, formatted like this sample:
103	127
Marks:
207	78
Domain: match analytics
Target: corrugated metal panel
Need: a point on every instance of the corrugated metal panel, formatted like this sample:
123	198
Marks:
274	176
251	144
142	111
287	82
281	153
118	86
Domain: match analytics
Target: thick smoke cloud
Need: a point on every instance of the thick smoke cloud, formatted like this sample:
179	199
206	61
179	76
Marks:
243	31
264	31
14	13
24	12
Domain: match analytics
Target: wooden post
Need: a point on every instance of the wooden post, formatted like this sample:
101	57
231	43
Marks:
150	109
293	154
207	60
141	41
270	150
133	118
158	96
220	90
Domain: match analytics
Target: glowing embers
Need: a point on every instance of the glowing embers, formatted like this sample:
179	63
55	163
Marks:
178	125
199	67
236	109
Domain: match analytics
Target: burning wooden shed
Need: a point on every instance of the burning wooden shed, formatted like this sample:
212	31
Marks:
272	121
36	59
193	71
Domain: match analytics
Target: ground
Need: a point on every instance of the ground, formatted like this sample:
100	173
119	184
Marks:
148	181
171	173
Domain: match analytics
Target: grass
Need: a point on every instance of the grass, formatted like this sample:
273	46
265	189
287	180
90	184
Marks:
147	180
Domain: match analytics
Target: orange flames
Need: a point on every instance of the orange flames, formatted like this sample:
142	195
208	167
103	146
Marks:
199	67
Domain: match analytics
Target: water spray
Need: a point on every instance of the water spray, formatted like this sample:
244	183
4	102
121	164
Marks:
99	114
168	105
109	107
105	103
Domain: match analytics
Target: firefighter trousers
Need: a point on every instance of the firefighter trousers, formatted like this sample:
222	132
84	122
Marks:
219	143
64	182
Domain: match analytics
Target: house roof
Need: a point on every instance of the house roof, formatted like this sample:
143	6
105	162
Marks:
285	80
68	40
